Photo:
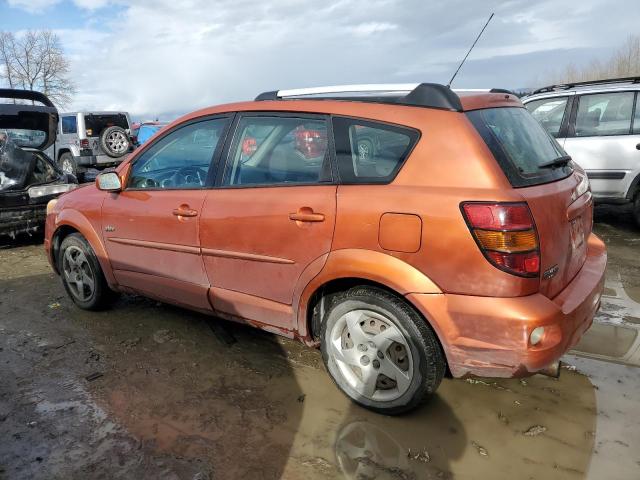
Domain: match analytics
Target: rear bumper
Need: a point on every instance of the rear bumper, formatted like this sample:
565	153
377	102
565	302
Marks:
488	336
98	160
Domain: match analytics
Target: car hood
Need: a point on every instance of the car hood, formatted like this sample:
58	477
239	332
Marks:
40	122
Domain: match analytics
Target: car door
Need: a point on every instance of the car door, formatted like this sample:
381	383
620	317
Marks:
151	227
272	216
603	141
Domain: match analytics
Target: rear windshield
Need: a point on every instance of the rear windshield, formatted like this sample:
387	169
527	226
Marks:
97	123
520	145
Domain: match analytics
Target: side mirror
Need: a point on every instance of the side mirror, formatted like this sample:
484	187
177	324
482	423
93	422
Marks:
109	182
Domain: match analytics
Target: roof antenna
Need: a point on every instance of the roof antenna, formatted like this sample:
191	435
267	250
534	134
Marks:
465	57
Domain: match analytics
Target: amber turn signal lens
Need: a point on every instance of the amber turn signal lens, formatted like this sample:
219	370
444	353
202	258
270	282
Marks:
51	205
518	241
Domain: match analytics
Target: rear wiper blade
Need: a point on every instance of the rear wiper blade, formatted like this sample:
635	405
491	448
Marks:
557	162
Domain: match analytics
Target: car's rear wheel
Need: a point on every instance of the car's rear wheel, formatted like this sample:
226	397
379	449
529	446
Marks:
379	351
82	275
68	164
115	142
636	209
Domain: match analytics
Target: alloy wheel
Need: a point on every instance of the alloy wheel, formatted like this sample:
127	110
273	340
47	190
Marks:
117	142
78	273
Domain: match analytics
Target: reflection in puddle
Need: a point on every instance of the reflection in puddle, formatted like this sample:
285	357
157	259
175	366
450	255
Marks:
615	333
364	450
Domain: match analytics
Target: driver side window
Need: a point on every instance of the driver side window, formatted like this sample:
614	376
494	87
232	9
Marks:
179	160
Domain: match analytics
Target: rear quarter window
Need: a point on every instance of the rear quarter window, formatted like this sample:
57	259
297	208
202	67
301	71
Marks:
96	123
520	145
371	152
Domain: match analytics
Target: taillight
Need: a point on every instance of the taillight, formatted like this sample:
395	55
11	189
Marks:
506	234
84	143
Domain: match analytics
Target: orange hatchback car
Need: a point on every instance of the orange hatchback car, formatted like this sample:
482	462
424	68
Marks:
406	230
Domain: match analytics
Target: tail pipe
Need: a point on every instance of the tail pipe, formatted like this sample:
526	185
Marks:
552	370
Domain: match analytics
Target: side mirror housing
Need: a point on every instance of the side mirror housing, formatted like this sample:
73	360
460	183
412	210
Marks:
109	182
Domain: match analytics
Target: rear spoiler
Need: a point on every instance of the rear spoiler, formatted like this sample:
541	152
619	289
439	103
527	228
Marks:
26	95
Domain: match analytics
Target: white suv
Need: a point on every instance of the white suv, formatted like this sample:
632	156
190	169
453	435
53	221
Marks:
598	124
91	140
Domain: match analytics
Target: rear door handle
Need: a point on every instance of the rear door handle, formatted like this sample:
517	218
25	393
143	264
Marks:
185	211
306	214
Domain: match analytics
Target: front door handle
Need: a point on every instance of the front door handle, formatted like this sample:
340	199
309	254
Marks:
638	146
306	214
185	211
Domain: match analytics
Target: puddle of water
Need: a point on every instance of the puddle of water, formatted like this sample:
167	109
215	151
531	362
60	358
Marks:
611	341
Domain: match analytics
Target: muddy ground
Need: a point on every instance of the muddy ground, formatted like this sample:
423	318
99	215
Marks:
149	391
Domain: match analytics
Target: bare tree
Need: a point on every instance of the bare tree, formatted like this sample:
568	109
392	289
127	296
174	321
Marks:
7	67
35	60
624	62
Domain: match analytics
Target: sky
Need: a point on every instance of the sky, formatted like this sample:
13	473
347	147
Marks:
162	58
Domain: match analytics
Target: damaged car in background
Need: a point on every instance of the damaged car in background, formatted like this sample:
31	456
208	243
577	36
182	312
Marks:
28	177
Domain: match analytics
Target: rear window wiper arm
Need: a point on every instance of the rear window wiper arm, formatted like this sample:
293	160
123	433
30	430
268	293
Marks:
557	162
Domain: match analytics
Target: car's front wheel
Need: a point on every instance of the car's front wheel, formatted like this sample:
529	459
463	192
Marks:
379	351
82	275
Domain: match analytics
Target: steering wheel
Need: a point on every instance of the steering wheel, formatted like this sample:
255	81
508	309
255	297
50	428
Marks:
189	176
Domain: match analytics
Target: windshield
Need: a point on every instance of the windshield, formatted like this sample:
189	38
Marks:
520	145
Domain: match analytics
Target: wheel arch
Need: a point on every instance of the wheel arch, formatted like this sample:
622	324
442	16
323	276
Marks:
61	152
350	267
634	188
72	221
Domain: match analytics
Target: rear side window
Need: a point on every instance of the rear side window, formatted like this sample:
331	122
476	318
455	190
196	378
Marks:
279	150
69	124
520	145
370	152
604	114
549	112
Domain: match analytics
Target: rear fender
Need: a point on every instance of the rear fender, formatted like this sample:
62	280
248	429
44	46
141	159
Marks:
368	265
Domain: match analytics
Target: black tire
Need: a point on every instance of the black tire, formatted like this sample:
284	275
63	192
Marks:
115	142
68	164
100	296
636	209
427	358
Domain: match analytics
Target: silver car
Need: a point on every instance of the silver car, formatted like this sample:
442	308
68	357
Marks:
91	140
598	124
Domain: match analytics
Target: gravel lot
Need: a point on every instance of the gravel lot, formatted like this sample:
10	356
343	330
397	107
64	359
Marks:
147	390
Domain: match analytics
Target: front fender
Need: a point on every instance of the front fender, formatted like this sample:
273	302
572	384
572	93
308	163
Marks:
371	265
76	220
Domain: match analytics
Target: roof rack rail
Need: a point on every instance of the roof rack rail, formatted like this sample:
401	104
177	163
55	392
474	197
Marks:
606	81
430	95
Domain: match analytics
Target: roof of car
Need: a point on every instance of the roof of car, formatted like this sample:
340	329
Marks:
427	95
605	85
96	112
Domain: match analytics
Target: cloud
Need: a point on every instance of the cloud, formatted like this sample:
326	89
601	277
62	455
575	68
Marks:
91	4
33	6
155	57
370	28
